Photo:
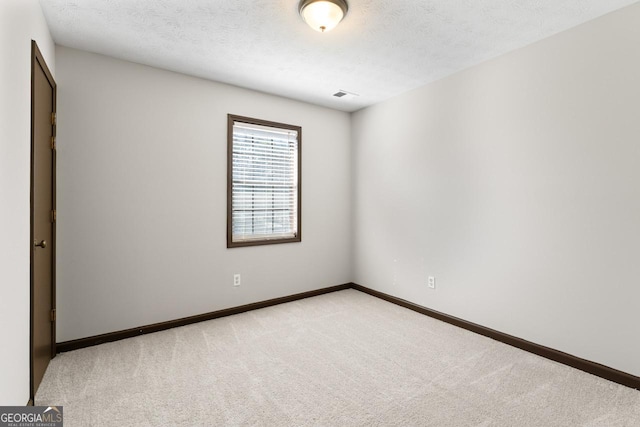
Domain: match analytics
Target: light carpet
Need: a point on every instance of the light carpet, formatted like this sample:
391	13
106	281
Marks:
340	359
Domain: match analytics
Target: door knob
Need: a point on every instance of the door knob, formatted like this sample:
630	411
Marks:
42	244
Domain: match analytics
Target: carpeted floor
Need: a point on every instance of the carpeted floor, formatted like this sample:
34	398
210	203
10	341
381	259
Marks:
341	359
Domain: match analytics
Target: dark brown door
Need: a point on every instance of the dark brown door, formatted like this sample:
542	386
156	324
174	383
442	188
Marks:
43	216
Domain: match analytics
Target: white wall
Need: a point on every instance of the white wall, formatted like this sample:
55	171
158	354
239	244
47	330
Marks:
516	184
142	197
20	22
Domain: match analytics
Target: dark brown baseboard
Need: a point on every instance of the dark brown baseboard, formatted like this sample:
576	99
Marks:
156	327
596	369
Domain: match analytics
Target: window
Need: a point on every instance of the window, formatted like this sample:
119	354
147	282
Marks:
263	182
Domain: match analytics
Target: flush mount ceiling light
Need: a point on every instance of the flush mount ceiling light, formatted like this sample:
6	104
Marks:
323	15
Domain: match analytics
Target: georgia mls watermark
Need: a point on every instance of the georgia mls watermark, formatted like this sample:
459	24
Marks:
30	416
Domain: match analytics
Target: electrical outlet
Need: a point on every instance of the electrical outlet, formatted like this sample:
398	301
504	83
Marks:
236	279
432	282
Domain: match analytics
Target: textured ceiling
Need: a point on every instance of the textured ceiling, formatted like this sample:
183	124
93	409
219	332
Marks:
381	49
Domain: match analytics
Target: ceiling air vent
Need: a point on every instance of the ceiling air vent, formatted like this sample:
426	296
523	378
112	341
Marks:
341	93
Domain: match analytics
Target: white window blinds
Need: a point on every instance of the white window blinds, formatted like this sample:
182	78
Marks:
264	193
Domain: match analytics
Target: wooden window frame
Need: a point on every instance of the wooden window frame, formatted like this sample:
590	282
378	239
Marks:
231	118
